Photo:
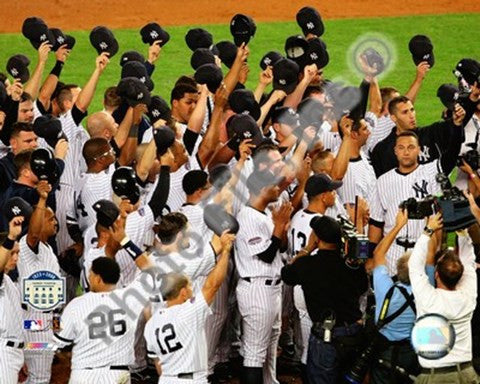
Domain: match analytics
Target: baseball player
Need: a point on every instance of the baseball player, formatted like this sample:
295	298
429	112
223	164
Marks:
11	333
259	291
37	258
320	191
410	179
175	334
101	323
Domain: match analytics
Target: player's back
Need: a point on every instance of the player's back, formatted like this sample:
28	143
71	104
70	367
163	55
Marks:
102	326
176	335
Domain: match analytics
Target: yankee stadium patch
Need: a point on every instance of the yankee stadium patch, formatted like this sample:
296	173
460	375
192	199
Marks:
43	290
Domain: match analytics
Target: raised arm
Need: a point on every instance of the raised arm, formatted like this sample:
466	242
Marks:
50	83
217	275
85	97
379	255
422	69
127	151
293	99
340	164
265	79
195	123
14	230
231	78
36	221
33	85
421	287
210	140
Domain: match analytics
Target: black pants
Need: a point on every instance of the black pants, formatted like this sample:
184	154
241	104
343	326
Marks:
401	355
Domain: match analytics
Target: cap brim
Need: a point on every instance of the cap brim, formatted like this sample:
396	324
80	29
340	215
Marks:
335	184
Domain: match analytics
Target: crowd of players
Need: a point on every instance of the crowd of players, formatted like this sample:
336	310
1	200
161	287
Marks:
180	220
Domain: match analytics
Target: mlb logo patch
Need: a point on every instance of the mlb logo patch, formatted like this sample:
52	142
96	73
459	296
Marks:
32	325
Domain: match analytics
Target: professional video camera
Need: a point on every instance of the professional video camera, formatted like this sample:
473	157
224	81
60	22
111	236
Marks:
454	206
471	157
355	245
418	209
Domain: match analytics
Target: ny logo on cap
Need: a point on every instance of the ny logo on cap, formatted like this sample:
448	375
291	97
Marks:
310	25
267	61
282	81
140	95
153	34
16	211
43	37
60	39
142	79
313	56
14	72
155	113
426	57
247	134
103	45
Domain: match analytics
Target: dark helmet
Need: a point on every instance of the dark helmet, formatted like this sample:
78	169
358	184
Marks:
219	220
124	184
43	165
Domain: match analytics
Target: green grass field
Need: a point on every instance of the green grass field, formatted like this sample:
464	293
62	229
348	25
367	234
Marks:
453	36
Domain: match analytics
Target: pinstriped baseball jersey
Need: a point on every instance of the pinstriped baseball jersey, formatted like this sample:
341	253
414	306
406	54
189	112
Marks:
359	180
189	262
176	335
90	188
299	231
138	228
194	214
380	128
394	187
10	311
30	262
241	194
101	326
256	229
331	140
88	257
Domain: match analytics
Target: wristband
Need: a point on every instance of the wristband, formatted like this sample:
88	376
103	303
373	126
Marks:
57	69
132	250
8	244
428	231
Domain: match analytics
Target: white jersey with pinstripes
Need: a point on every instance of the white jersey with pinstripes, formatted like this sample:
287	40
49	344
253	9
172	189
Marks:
359	180
176	335
139	228
190	262
74	162
101	326
10	311
30	262
254	237
380	128
90	188
394	187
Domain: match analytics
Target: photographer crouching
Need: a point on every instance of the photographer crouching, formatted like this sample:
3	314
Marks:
394	358
332	285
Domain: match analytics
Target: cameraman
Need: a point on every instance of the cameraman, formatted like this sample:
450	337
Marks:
394	329
332	286
454	298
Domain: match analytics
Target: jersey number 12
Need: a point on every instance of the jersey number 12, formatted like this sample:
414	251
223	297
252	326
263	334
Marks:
166	341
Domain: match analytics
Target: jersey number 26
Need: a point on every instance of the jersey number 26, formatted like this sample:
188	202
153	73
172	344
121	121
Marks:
99	322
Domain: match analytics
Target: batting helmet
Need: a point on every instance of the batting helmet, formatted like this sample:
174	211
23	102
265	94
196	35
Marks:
124	184
43	165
